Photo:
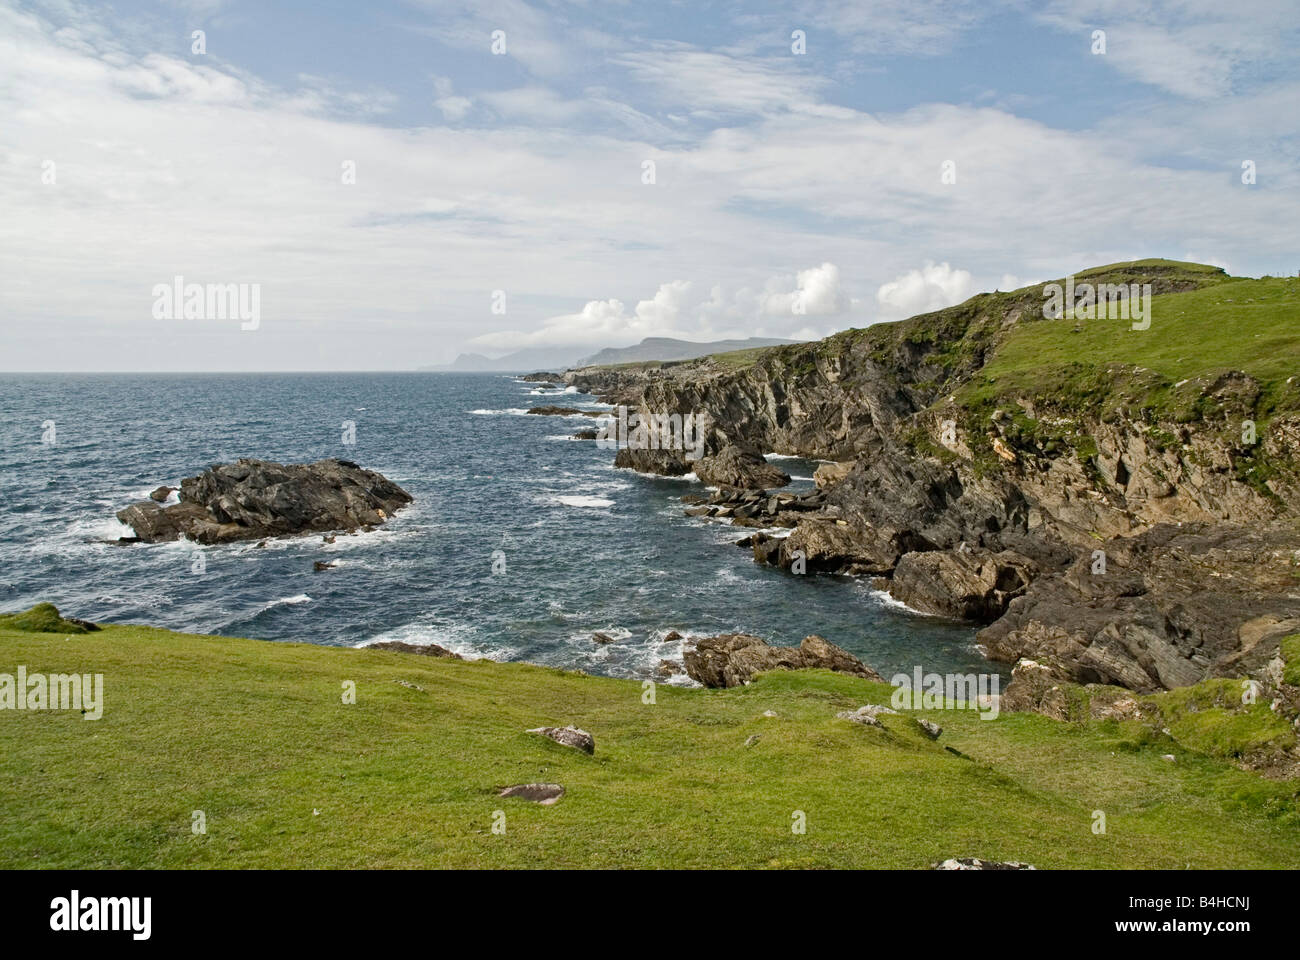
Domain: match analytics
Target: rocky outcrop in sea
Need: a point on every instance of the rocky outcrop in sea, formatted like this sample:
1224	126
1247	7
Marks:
258	499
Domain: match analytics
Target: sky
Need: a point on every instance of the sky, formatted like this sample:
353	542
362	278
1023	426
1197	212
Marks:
400	182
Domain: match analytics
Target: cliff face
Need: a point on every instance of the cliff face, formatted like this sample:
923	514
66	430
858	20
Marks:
1022	450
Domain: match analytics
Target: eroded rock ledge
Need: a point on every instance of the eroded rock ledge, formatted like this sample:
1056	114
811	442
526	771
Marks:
256	499
732	659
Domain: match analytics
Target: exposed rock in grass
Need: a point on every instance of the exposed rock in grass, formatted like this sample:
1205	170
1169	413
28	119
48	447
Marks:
569	737
543	793
974	863
929	728
868	715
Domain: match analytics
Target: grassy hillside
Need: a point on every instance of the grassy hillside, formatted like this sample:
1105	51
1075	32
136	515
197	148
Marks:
1236	324
255	735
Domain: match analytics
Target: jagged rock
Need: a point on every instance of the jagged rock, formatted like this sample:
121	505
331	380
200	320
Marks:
829	474
423	649
1036	687
585	435
253	499
731	659
320	565
665	463
868	715
964	584
929	728
161	494
551	410
742	466
602	637
669	668
1175	605
975	863
543	793
829	546
569	737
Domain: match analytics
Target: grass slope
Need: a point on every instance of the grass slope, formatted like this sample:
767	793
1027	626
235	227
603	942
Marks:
255	735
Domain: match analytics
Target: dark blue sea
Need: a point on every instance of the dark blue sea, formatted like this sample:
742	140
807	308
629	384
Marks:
586	548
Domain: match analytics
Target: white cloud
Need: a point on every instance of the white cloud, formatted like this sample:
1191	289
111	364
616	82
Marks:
932	287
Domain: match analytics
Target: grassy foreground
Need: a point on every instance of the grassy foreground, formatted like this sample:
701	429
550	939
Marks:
256	735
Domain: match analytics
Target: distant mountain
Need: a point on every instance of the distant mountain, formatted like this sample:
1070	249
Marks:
666	348
521	361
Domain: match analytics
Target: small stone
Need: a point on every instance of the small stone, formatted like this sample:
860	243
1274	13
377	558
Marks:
602	638
1169	757
542	793
769	713
929	728
975	863
320	565
866	715
569	737
753	739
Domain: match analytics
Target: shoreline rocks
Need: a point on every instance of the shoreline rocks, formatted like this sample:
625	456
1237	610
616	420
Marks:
732	659
256	499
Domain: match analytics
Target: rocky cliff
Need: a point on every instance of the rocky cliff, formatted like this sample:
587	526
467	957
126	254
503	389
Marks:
1117	501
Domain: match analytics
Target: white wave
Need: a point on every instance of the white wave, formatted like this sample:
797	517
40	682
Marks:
293	601
883	599
582	501
508	411
460	638
572	390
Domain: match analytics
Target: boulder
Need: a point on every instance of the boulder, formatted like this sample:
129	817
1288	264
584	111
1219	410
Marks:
975	863
830	546
868	715
543	793
929	728
732	659
569	737
161	494
254	499
738	465
665	463
963	584
829	474
423	649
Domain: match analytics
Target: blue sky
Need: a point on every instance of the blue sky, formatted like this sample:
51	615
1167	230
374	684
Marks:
793	195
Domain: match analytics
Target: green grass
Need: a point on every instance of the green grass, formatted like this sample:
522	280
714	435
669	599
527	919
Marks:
1236	324
1211	718
255	735
42	618
1290	649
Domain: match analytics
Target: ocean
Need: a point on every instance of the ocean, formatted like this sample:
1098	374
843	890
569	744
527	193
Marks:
579	546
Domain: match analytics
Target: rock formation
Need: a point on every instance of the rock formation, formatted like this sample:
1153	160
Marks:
255	499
